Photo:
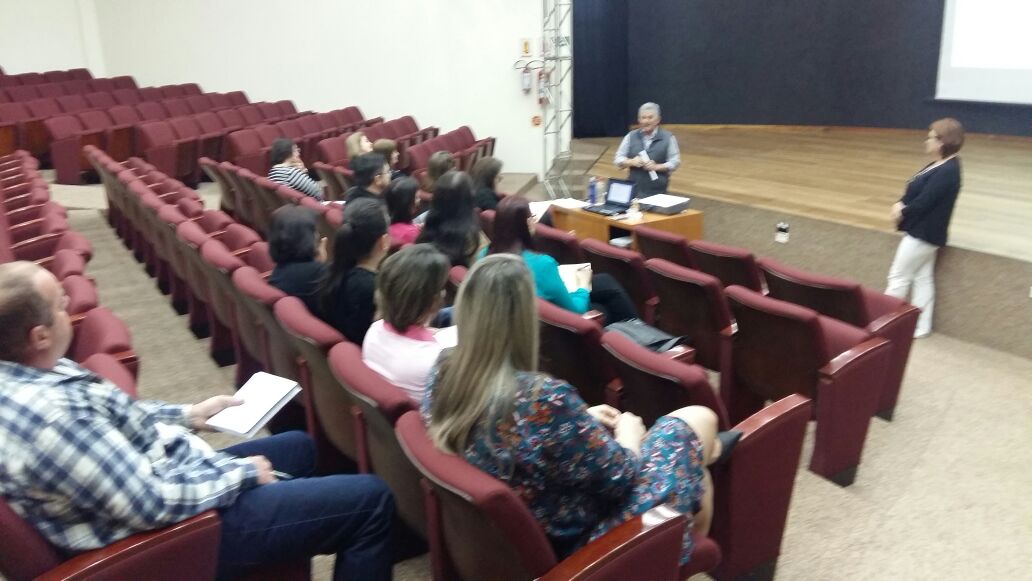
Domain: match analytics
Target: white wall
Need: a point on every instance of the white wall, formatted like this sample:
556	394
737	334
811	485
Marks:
43	35
446	62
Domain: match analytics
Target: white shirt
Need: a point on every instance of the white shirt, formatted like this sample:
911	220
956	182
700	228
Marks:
403	359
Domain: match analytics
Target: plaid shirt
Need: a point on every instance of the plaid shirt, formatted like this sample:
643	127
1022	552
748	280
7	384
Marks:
87	465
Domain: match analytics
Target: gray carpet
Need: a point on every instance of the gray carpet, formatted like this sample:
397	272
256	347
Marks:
943	491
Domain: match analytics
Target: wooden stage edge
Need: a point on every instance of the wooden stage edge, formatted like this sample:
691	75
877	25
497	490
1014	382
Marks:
851	175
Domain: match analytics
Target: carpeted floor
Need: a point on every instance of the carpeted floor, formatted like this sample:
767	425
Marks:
943	491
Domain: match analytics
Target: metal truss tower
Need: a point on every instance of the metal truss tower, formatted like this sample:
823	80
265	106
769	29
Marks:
557	118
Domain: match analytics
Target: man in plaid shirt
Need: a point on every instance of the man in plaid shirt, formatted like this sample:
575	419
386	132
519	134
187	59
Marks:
88	466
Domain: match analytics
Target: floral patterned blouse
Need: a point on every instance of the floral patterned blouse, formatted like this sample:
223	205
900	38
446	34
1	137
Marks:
577	481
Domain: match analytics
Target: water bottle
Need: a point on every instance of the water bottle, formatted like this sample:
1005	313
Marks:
592	187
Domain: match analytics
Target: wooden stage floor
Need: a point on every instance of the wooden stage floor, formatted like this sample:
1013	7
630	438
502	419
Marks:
852	176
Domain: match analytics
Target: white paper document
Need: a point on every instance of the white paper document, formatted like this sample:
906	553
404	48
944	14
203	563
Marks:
663	200
574	274
645	156
264	395
538	209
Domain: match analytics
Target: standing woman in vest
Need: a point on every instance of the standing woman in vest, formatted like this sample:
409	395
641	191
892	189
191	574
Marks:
924	215
661	154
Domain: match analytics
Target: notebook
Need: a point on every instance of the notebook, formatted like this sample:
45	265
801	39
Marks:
264	395
568	272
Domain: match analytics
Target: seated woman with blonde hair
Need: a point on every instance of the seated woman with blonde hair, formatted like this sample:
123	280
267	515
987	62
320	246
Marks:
402	346
358	144
582	471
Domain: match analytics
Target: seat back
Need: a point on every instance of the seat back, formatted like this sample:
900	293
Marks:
655	385
270	111
46	107
55	76
381	404
124	115
692	304
653	243
562	246
198	103
568	340
151	111
102	85
260	332
151	94
176	107
251	114
328	407
23	92
24	554
628	268
219	263
72	103
171	91
779	347
486	529
333	151
50	90
126	96
237	98
124	82
833	297
729	264
100	100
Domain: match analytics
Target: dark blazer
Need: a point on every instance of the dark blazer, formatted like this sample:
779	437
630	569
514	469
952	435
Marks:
301	280
929	202
356	192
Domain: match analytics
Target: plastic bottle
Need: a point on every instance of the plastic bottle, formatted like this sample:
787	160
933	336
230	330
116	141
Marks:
592	189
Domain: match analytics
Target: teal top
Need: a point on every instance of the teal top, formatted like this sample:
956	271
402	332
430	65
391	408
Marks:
549	285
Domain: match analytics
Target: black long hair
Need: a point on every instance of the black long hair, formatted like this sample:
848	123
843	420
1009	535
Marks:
364	224
292	234
451	224
511	232
400	196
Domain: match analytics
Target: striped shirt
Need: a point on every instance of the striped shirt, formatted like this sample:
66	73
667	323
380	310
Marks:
296	179
88	466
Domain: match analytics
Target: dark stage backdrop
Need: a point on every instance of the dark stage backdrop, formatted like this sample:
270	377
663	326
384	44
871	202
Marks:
785	62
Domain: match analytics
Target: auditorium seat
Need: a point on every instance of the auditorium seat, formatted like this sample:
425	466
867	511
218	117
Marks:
126	96
76	86
628	268
67	138
376	405
118	138
82	297
151	94
176	107
251	114
270	112
781	348
692	304
219	100
330	420
125	115
185	550
110	369
50	90
56	76
80	74
101	331
172	155
100	100
244	208
44	107
560	245
653	243
188	89
73	103
218	264
335	179
567	341
756	485
215	172
23	93
231	119
237	98
171	91
192	237
479	528
123	82
733	266
884	316
199	103
151	111
260	334
246	150
31	134
102	85
187	129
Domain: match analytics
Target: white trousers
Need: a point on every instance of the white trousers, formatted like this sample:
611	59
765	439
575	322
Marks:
912	275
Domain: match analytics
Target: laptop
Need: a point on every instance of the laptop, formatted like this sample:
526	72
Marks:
618	200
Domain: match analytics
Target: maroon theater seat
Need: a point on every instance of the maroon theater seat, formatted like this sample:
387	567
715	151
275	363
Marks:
330	421
188	89
44	107
30	133
110	369
219	100
171	91
246	150
187	128
231	119
80	74
376	405
102	85
76	86
199	103
126	96
568	340
151	94
479	528
82	297
884	316
56	76
118	138
151	111
653	243
123	82
218	264
101	331
100	100
50	90
286	109
23	93
73	103
781	348
270	111
562	246
692	304
251	114
171	155
261	335
628	268
237	98
729	264
68	136
176	107
125	115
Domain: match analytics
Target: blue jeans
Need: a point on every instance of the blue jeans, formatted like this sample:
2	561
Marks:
291	520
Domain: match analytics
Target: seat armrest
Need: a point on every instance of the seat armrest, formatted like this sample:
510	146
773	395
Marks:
191	546
645	547
856	355
878	325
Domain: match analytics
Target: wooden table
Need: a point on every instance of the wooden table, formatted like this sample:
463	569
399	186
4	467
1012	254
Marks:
598	227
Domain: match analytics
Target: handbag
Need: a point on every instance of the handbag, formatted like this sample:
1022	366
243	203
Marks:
647	336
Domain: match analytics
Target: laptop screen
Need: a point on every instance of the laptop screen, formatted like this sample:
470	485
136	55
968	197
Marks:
620	192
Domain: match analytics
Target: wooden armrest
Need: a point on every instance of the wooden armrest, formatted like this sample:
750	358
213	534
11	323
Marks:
771	413
884	320
594	315
205	526
851	356
682	354
622	540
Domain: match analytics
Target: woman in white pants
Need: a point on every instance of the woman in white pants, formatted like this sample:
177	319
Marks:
923	214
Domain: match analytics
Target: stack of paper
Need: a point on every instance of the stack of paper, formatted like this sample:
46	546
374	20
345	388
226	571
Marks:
538	209
264	395
576	276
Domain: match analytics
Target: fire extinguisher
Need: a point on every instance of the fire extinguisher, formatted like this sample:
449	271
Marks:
525	79
543	77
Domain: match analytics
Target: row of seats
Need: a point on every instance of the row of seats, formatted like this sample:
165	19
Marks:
460	142
35	228
765	346
356	416
46	77
71	87
249	148
22	124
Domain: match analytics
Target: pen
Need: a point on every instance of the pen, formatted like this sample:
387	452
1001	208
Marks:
282	475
